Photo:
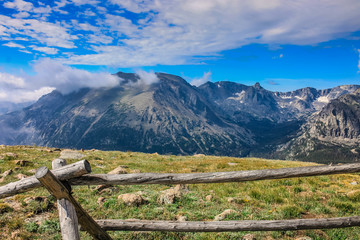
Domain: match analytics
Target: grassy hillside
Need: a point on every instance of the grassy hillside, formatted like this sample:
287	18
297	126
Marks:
33	215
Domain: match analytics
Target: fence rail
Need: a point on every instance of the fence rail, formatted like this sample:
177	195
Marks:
212	177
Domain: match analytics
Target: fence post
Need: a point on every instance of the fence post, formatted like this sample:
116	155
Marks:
58	190
67	215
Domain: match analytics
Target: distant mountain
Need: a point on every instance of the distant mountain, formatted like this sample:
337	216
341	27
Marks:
173	117
330	134
7	107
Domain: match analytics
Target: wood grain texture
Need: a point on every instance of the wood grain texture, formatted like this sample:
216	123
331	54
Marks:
228	226
58	190
212	177
69	171
69	224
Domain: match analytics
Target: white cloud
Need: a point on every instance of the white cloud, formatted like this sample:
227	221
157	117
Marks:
52	34
24	95
200	81
19	5
175	31
13	45
46	50
50	75
11	80
147	77
66	79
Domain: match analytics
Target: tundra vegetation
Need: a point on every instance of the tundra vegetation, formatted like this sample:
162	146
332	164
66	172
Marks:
33	215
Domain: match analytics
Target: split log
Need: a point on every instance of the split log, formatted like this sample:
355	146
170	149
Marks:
213	177
67	215
69	171
58	190
228	226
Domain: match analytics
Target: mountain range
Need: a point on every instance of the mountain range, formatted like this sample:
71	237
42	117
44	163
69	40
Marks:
171	116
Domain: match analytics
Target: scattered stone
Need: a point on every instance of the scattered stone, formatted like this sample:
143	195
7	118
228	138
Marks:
354	195
155	154
169	196
118	170
33	171
21	176
232	164
99	188
199	155
10	154
180	218
22	163
7	173
132	199
231	200
249	237
57	150
303	238
354	183
224	214
209	198
101	201
109	190
15	234
71	154
136	171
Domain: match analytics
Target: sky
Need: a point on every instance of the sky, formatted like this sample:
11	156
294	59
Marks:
284	45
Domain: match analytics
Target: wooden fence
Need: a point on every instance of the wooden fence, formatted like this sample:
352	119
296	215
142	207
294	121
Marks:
58	182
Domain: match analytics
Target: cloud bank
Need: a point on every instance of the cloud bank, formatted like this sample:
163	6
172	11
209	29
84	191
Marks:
50	75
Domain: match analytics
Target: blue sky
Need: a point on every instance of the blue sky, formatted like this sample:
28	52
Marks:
284	45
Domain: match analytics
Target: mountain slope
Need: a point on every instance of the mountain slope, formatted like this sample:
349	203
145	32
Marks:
331	134
166	117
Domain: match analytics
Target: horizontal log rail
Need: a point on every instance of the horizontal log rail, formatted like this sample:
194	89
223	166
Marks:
229	226
212	177
64	173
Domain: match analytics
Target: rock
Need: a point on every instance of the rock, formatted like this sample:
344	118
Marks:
180	218
232	164
21	176
33	171
249	237
209	198
354	183
22	163
7	173
132	199
15	234
10	154
303	238
101	201
224	214
354	195
99	188
71	154
57	150
169	196
231	200
118	170
199	155
136	171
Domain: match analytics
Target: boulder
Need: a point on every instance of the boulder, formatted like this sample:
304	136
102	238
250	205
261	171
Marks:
132	199
224	214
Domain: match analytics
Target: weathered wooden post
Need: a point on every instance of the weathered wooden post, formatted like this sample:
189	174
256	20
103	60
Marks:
67	215
58	190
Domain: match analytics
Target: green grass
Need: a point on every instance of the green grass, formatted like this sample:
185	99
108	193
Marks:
311	197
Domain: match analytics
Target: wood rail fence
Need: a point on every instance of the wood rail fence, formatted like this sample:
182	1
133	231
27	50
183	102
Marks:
58	182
